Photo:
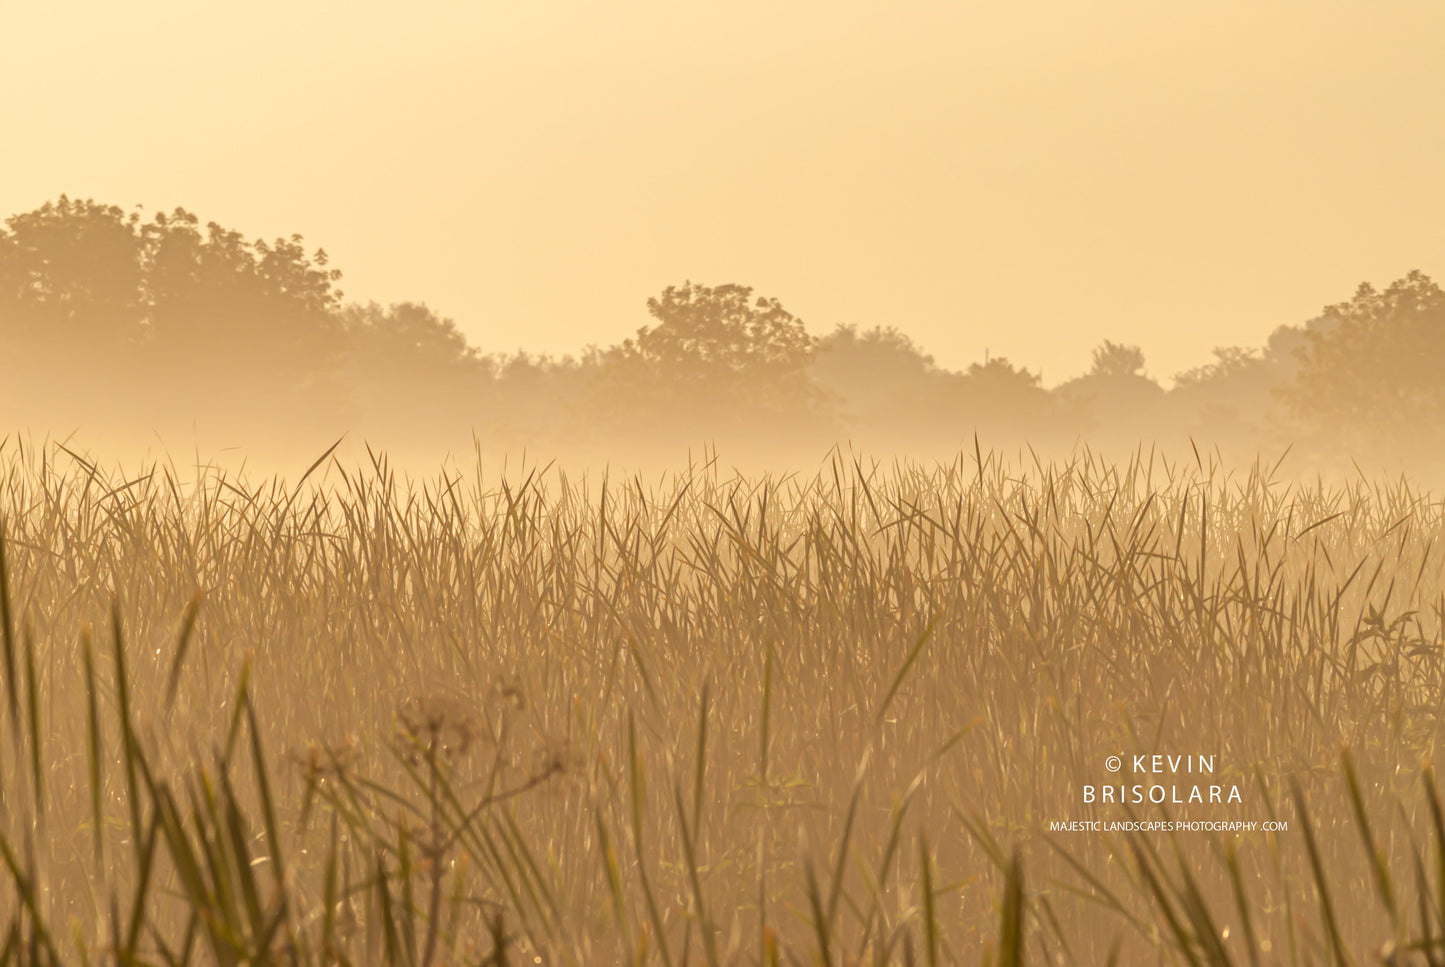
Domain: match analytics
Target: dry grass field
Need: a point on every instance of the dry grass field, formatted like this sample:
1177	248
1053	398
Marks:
711	719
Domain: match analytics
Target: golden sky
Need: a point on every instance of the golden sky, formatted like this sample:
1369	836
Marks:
1028	177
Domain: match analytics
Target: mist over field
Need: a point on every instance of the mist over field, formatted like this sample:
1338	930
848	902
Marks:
752	484
330	637
130	333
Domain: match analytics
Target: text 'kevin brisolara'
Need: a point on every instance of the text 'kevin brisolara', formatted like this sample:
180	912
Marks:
1164	826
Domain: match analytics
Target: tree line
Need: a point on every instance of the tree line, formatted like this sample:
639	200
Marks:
107	316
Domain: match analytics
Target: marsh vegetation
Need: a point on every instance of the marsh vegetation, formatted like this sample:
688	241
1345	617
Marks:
495	716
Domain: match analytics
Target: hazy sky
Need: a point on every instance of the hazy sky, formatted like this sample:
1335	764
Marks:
1027	177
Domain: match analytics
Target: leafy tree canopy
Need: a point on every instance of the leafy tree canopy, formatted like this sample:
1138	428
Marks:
1376	359
715	330
1117	359
999	372
82	276
72	273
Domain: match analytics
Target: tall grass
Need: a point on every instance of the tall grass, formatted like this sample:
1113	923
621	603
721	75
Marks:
712	719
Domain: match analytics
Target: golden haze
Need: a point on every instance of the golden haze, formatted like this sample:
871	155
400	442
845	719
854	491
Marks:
1026	178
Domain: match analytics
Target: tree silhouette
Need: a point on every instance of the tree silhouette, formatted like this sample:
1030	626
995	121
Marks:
1115	401
148	323
711	332
1117	359
718	358
1372	370
71	283
105	314
263	307
876	377
1000	399
406	342
411	374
